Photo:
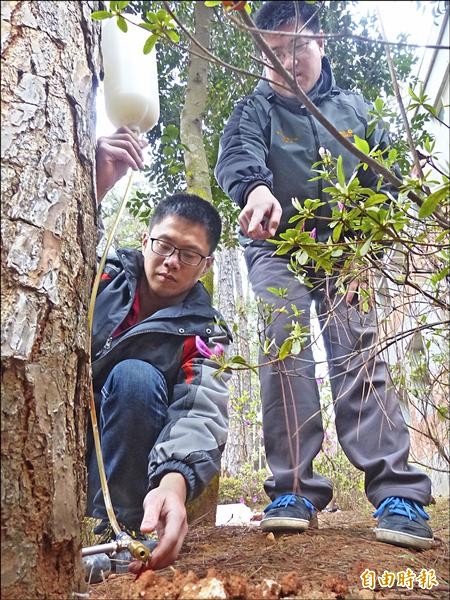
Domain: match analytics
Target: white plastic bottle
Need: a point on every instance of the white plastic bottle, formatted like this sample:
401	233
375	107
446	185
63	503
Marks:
131	77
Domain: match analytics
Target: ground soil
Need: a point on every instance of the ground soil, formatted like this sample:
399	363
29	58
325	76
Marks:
323	563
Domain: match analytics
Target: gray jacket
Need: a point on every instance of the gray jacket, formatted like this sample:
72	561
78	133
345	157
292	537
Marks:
273	140
194	437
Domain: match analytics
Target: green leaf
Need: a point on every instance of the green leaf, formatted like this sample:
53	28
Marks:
239	360
340	171
442	412
173	35
413	95
150	43
281	292
99	15
431	203
379	104
211	3
361	144
439	276
301	257
285	349
172	131
162	15
122	24
375	199
296	347
337	232
364	249
393	154
113	5
148	26
267	346
151	17
122	5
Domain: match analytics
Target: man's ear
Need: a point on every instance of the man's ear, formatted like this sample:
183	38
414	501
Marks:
321	43
145	240
208	264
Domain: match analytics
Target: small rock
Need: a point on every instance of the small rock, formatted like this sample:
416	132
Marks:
290	583
361	594
270	538
266	590
211	588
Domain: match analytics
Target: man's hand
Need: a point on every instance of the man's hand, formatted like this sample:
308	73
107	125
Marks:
114	155
165	512
360	286
262	213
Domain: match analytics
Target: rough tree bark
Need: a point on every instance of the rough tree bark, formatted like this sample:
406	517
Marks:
192	115
197	178
49	76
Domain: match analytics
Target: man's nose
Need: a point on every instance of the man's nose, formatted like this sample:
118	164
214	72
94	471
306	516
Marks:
290	61
173	261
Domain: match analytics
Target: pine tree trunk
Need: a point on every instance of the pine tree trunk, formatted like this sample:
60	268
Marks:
192	115
49	75
197	178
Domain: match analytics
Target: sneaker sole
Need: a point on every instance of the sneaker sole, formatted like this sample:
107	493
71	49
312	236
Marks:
284	524
406	540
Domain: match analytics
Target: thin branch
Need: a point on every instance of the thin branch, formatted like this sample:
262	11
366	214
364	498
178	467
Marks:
334	36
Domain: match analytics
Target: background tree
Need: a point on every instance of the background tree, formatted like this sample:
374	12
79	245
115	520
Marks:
49	75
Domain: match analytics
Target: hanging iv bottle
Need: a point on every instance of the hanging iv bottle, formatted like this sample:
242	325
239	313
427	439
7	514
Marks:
130	77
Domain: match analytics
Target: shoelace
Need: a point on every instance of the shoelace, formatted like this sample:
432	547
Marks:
288	500
402	506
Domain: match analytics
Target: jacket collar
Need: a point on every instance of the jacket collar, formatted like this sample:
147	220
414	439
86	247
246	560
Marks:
197	302
322	89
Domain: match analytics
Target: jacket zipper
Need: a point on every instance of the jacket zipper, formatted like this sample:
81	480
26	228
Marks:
108	342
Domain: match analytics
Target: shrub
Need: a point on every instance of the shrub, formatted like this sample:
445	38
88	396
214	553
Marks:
348	481
247	487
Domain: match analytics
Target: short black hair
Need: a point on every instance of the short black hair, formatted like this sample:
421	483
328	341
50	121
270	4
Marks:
273	15
192	208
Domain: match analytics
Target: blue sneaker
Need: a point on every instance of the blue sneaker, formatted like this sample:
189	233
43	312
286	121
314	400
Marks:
402	522
288	513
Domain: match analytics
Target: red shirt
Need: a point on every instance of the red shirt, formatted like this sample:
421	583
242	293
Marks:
132	317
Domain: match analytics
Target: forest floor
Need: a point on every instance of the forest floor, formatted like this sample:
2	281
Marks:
327	562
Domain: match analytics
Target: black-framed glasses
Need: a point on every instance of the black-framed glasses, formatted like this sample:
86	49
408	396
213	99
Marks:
187	257
300	48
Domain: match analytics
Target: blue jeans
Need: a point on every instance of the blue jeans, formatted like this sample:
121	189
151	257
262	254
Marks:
131	412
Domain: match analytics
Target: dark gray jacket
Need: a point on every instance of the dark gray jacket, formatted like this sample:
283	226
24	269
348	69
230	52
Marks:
273	140
193	439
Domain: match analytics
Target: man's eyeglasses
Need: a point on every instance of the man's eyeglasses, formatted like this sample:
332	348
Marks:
283	53
187	257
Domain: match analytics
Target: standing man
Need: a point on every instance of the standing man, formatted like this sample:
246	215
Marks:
161	405
266	153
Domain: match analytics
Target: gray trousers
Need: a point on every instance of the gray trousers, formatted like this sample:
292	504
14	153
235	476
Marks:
370	427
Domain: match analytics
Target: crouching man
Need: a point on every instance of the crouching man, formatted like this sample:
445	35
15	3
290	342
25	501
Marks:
161	406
